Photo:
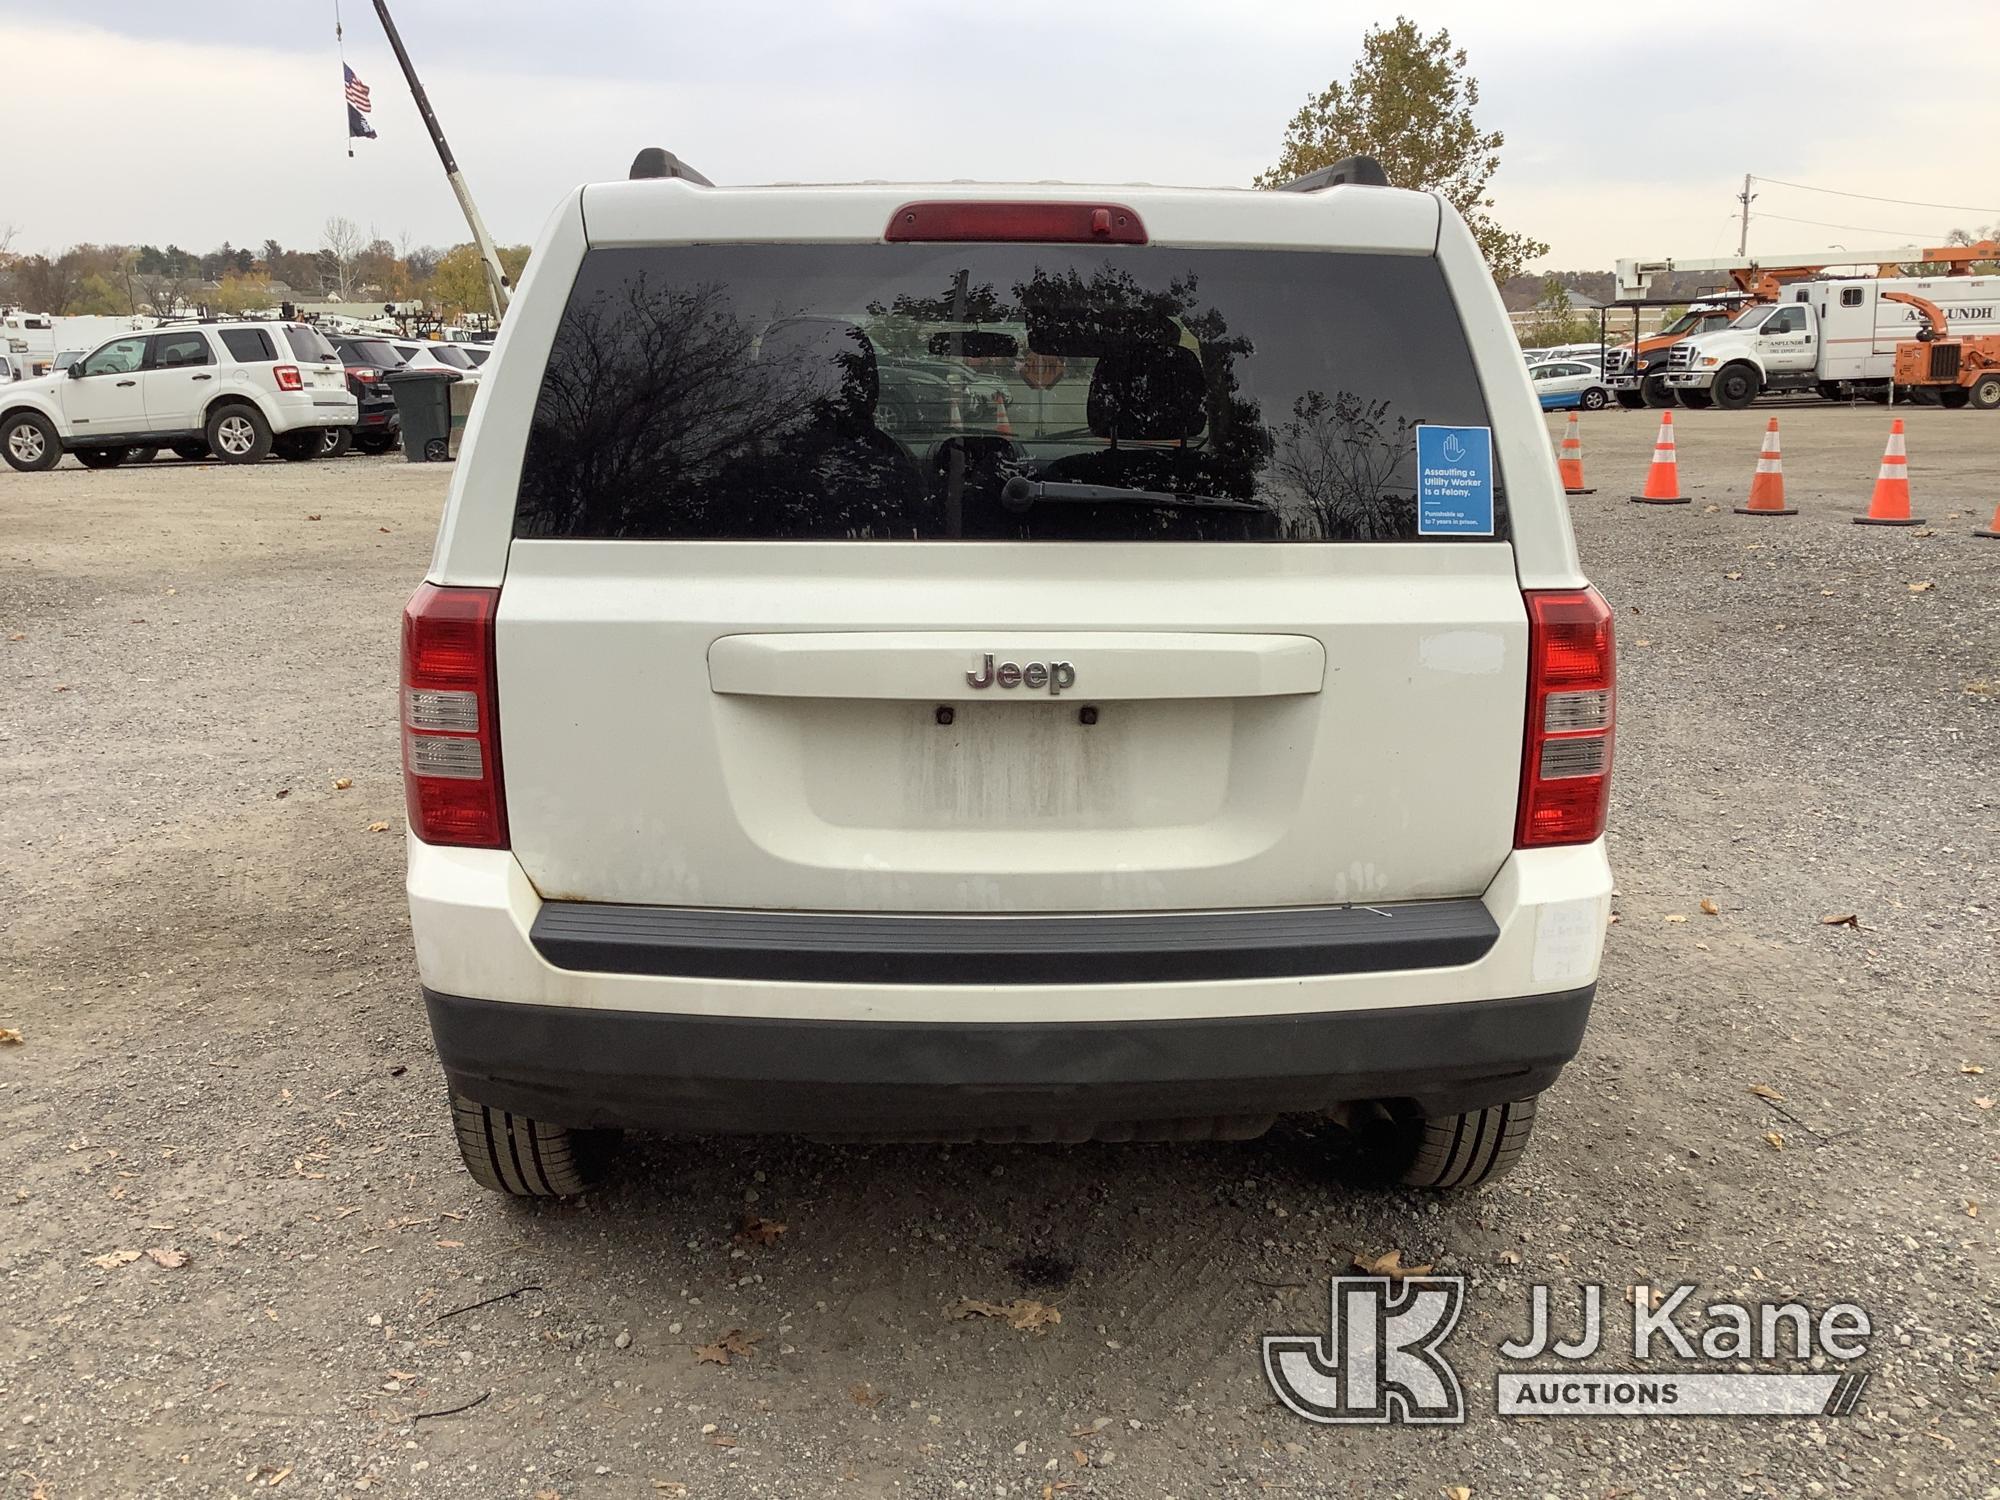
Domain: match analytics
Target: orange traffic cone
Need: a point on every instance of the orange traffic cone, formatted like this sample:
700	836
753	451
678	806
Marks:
1993	530
1000	423
1767	485
1890	505
1663	480
1569	460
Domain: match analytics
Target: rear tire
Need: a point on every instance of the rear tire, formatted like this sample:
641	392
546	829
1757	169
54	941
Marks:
1984	394
335	441
526	1158
375	442
1694	398
141	455
1462	1151
192	452
1631	400
1954	398
298	447
1655	392
1596	398
29	442
1833	390
101	458
238	434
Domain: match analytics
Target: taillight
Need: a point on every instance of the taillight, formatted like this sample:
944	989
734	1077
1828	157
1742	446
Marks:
363	374
1043	223
451	726
289	378
1572	707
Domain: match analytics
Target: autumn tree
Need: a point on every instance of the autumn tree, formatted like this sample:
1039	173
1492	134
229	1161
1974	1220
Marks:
458	284
1409	103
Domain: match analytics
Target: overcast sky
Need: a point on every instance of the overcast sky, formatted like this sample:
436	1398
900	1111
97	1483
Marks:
197	121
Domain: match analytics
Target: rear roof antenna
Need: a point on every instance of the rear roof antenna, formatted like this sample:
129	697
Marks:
1357	171
657	161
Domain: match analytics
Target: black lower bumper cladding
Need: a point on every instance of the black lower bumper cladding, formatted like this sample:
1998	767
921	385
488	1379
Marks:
585	1067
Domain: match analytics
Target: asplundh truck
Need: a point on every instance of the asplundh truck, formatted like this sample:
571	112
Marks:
1836	336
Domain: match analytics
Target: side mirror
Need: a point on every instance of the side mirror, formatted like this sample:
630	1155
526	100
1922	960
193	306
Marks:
76	369
1770	328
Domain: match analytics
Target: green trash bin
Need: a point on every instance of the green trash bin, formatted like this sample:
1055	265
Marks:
423	406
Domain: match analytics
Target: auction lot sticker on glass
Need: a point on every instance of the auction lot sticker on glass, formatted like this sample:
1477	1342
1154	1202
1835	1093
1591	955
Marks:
1454	481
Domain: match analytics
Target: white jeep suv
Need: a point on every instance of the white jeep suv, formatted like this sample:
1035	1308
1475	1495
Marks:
237	390
1005	662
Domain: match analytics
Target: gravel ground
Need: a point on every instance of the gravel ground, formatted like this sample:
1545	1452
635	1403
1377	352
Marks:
207	956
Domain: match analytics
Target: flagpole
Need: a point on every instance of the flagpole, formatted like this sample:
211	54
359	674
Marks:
496	276
340	46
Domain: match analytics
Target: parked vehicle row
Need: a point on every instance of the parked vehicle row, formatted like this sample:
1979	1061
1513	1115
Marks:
237	390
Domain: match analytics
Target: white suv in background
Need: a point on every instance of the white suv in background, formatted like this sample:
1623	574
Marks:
237	390
1017	663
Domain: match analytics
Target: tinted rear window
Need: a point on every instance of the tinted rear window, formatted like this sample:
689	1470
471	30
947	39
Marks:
377	352
310	344
1003	392
251	345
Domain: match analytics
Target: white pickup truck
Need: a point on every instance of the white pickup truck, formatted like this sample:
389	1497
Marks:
1835	337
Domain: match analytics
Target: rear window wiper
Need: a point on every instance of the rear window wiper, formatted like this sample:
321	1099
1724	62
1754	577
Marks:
1021	494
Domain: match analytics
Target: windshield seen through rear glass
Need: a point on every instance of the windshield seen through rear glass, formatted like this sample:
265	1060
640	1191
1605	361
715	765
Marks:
993	392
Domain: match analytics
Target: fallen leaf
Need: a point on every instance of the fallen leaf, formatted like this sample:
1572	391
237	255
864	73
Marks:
9	1037
1982	1103
451	1244
1765	1091
1776	1138
1924	587
342	783
378	827
1974	1069
114	1260
738	1341
1842	919
1732	576
721	1440
1972	1208
1678	916
865	1395
1024	1313
710	1354
755	1231
1709	908
548	1495
283	793
1458	1492
313	517
1509	1257
160	1255
278	1477
1390	1264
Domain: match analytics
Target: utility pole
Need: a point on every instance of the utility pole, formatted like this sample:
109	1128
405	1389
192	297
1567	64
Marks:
496	278
1743	234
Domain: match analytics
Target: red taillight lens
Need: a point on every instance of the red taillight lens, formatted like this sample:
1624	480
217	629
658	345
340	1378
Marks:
451	727
289	378
1044	223
1572	708
362	373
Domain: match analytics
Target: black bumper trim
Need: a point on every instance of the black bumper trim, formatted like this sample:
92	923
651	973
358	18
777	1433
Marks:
1166	947
583	1067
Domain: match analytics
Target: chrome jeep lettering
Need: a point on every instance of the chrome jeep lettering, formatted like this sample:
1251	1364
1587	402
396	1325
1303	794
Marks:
1052	676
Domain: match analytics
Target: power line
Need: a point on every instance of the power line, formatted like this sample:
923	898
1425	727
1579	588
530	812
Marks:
1906	234
1803	187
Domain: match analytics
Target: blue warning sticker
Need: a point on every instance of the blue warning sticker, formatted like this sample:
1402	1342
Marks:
1454	481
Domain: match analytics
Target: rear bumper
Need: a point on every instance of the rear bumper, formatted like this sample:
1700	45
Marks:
1032	1081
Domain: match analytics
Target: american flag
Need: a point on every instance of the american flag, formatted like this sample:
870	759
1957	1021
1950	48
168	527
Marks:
357	106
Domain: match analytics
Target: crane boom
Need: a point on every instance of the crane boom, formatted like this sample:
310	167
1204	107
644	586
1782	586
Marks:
1764	274
489	257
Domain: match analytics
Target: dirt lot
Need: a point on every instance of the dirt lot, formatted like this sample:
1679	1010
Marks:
206	954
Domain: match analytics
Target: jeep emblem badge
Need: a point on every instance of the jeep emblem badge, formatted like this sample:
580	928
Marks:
1052	675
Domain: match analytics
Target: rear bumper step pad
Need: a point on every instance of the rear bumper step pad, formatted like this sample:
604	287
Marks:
1167	947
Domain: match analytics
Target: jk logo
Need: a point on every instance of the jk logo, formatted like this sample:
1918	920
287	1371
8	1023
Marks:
1379	1361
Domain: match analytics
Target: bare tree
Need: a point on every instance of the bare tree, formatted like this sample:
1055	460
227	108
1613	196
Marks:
343	244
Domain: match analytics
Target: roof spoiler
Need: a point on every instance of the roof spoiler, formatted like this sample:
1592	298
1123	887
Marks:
1356	171
656	161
